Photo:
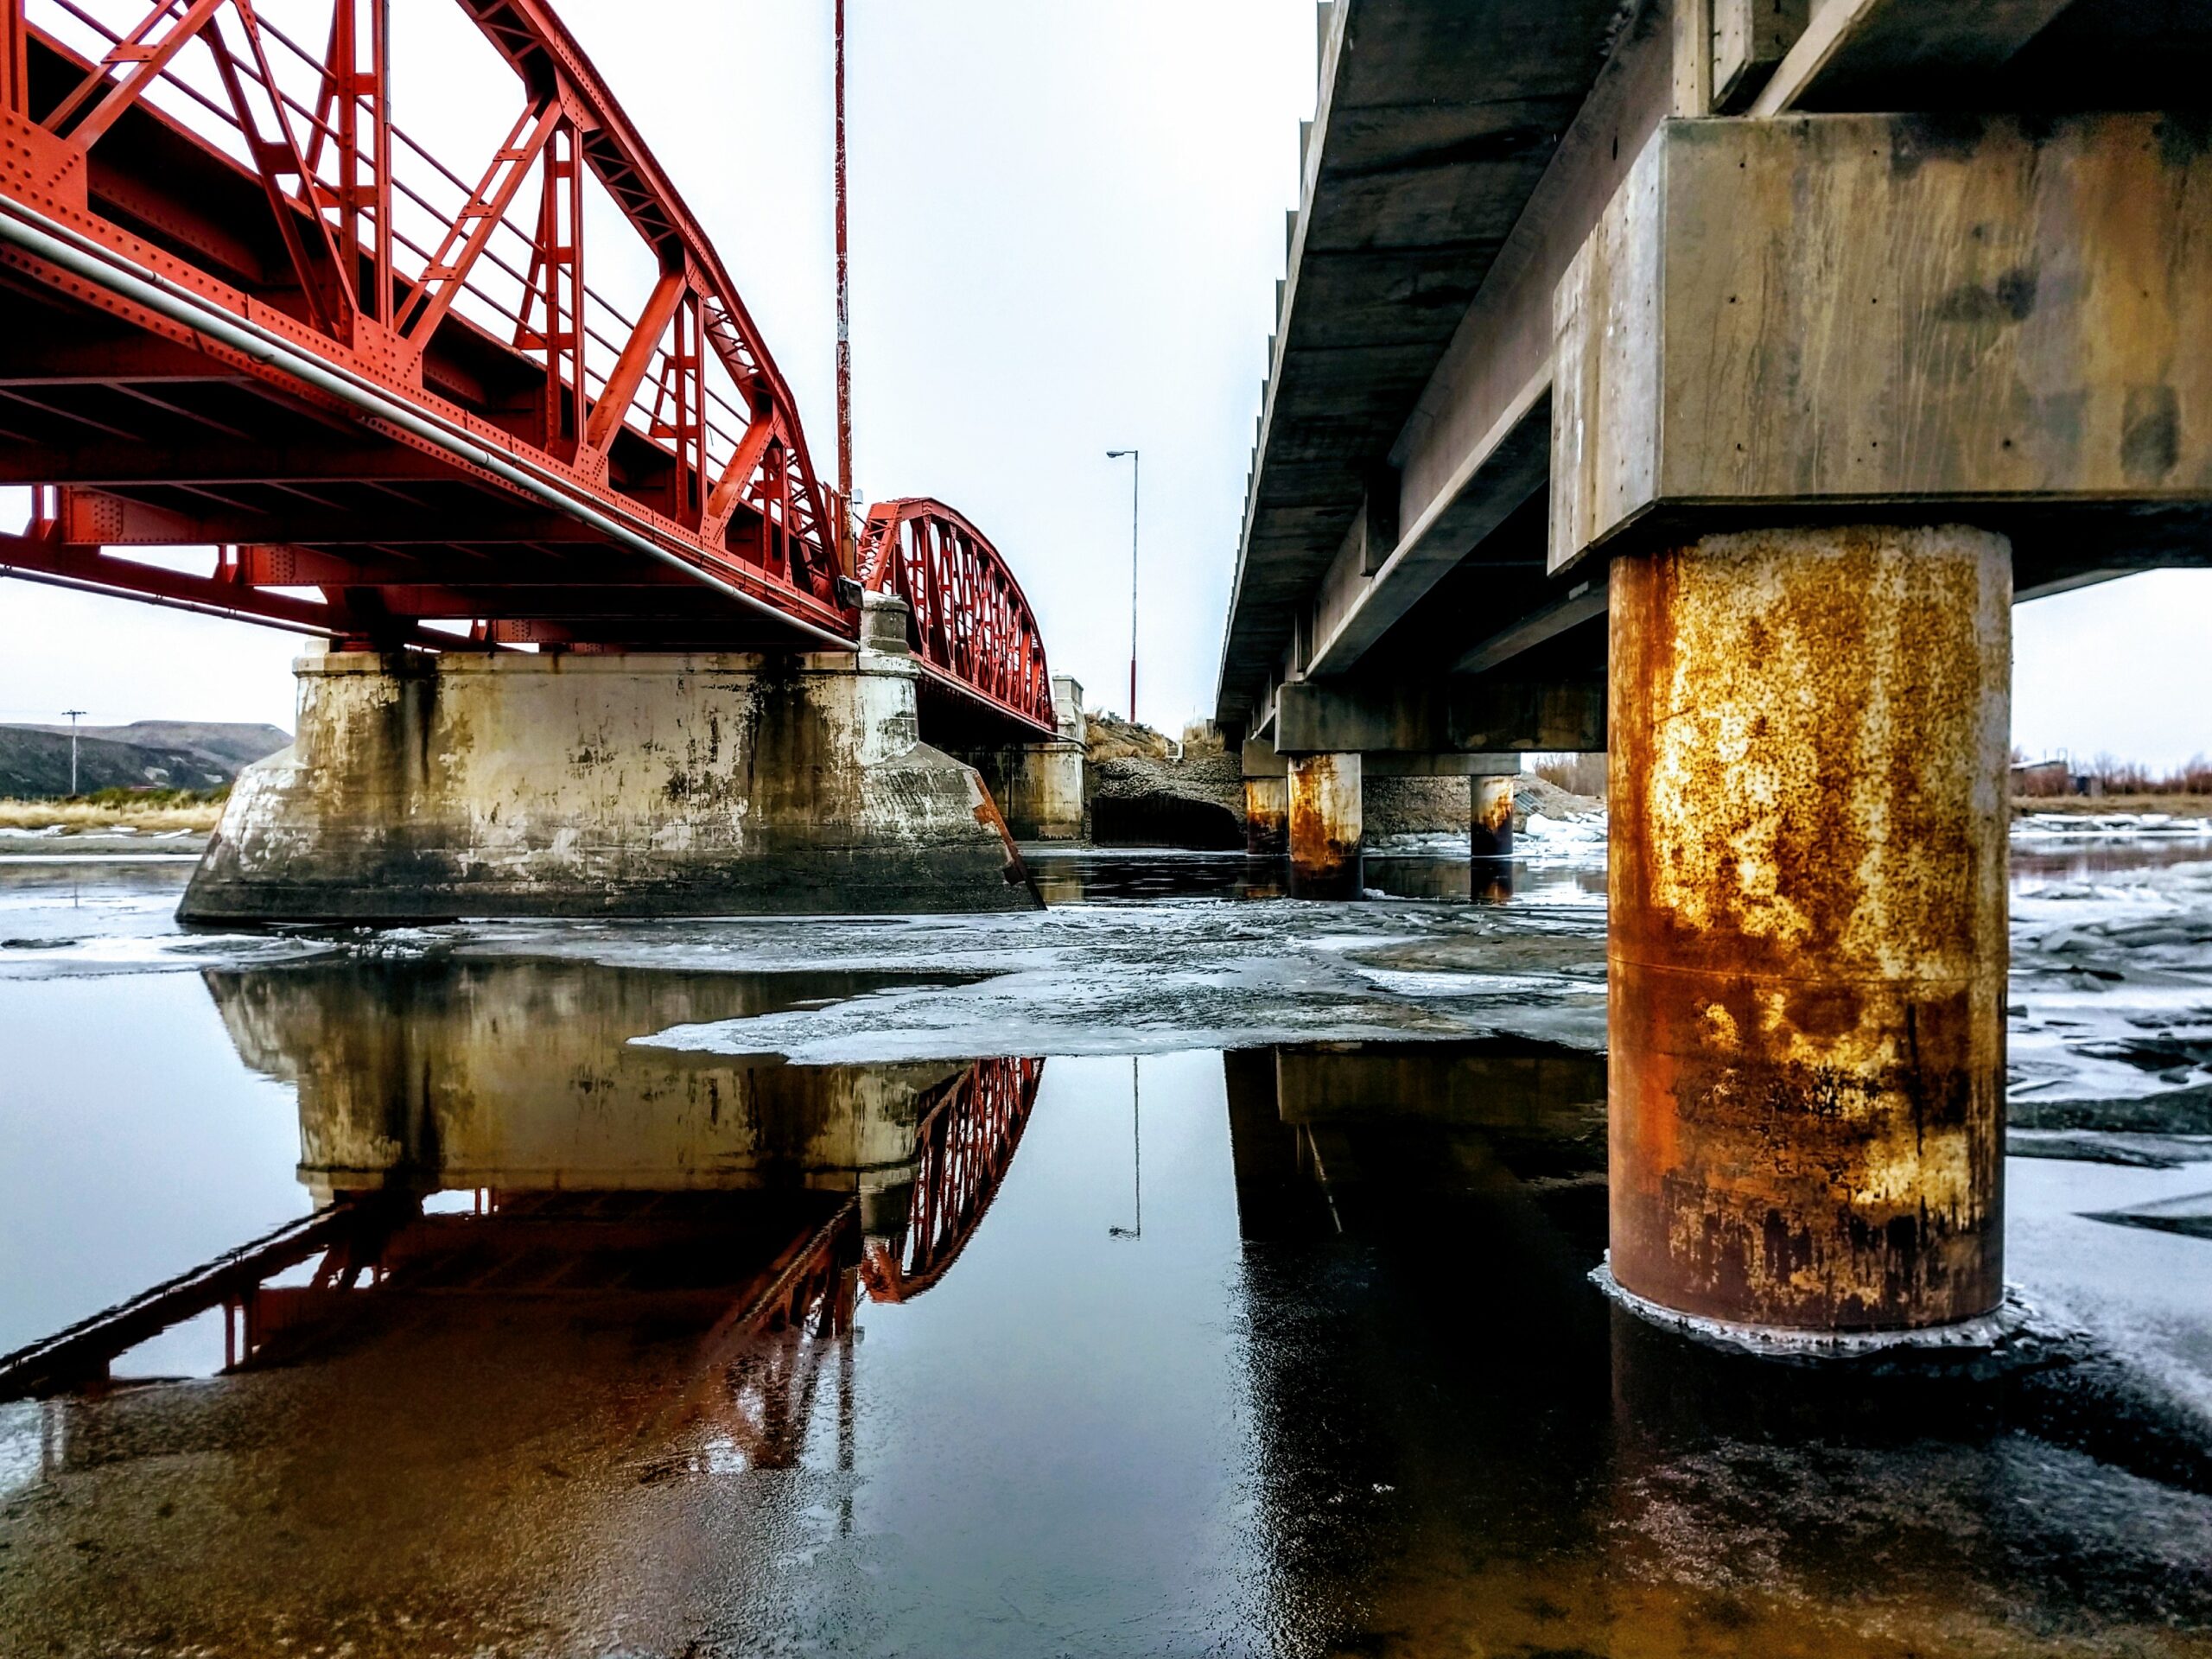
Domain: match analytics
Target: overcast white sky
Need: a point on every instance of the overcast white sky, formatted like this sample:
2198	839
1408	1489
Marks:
1067	226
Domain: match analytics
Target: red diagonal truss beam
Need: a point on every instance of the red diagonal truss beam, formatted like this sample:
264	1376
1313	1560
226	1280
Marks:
963	1148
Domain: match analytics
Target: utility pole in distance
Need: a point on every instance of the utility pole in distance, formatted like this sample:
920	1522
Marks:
1136	480
73	713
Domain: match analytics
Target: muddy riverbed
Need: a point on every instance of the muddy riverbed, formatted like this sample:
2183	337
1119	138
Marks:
1179	1270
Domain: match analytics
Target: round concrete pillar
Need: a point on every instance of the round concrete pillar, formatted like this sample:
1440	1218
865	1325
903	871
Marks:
1267	816
1325	826
1806	947
1489	819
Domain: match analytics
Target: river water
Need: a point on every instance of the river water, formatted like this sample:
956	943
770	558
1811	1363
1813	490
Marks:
1178	1271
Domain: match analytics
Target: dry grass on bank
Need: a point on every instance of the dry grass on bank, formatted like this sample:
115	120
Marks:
2052	778
1576	774
111	809
2179	806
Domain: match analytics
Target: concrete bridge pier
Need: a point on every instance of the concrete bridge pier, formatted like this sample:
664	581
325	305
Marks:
423	787
1267	816
1267	800
1490	817
1807	944
1325	826
1039	786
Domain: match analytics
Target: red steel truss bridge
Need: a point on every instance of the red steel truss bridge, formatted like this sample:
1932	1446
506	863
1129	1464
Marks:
245	310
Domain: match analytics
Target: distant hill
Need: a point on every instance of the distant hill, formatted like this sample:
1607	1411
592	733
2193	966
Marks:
159	753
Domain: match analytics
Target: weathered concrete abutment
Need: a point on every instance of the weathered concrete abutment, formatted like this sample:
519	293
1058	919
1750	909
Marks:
517	785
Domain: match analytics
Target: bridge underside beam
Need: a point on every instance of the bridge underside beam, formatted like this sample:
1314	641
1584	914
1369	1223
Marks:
1848	318
1439	716
1319	595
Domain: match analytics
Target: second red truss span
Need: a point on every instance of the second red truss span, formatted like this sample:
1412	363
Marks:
970	622
412	402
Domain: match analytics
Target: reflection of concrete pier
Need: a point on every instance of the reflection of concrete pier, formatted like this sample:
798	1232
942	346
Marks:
736	1193
523	1074
1363	1131
557	1273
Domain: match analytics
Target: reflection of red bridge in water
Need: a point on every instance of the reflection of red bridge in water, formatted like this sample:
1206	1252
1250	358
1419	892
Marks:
962	1150
246	310
760	1274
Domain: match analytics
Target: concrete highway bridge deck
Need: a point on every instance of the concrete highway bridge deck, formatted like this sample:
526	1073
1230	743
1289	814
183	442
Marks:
1703	381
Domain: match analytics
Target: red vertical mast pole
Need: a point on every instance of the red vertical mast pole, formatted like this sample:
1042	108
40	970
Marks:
13	95
845	550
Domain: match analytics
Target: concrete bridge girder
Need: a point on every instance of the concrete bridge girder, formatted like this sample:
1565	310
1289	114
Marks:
1901	318
1439	716
1767	369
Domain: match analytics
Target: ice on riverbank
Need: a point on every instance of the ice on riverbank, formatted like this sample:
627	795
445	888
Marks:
1579	838
2034	827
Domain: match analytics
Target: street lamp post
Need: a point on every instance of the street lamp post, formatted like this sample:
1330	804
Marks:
1136	477
1137	1144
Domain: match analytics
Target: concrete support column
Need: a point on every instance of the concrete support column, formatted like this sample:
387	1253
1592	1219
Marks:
1807	948
1267	816
1489	818
1325	826
1038	787
1266	799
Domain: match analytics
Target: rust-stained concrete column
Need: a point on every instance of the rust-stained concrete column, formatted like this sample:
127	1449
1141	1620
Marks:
1267	800
1490	821
1807	950
1325	826
1267	816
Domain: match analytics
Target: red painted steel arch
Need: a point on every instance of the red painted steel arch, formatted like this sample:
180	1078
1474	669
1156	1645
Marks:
971	621
240	307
